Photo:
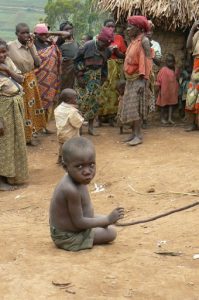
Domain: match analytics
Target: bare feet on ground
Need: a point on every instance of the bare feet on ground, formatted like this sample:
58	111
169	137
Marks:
171	122
33	143
164	122
47	131
92	132
134	142
192	127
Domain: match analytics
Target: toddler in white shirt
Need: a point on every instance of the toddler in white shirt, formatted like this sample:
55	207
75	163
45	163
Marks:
68	119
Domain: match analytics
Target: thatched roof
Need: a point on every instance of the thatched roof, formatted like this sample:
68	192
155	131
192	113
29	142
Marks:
168	14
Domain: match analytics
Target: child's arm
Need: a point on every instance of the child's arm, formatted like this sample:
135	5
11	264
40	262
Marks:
76	120
81	222
17	77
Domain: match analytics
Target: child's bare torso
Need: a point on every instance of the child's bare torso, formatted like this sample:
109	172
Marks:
59	213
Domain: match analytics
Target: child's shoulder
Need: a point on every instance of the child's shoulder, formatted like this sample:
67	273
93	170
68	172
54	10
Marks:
66	185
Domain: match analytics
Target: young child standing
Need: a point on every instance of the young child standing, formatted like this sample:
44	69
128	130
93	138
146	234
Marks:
68	119
73	224
168	89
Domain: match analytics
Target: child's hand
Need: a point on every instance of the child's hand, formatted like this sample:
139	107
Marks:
116	214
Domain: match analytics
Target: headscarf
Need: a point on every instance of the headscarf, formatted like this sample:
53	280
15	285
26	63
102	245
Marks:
106	35
139	21
41	29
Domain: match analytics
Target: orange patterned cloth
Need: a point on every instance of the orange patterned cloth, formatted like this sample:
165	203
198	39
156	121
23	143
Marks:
196	64
49	75
34	112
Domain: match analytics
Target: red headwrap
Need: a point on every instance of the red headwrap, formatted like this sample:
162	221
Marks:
139	21
106	35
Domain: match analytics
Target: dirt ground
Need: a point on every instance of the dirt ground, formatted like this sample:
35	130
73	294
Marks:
130	268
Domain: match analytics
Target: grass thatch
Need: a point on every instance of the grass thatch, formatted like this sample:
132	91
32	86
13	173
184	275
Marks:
168	14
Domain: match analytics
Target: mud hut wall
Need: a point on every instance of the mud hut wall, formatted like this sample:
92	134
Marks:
172	42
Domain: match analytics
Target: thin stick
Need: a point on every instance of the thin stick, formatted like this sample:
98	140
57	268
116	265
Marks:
163	193
158	216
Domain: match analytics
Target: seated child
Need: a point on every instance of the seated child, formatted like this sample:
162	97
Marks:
120	88
68	119
73	224
168	89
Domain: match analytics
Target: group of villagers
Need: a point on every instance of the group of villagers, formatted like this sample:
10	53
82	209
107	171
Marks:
98	80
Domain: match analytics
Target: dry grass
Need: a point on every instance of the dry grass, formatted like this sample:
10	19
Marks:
168	14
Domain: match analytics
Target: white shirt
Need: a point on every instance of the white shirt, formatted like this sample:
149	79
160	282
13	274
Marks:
68	122
156	47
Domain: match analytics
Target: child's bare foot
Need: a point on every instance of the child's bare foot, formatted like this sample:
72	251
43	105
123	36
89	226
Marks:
92	132
33	143
131	137
136	141
192	127
47	131
164	122
171	122
7	187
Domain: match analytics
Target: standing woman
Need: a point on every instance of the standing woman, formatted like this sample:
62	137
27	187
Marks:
91	71
137	67
49	72
109	94
192	100
69	48
24	55
13	156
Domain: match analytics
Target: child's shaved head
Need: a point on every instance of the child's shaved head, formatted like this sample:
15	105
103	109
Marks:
76	146
68	96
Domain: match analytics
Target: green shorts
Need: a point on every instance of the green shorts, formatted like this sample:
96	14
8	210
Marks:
72	241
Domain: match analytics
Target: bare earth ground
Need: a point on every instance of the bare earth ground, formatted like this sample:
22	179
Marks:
129	268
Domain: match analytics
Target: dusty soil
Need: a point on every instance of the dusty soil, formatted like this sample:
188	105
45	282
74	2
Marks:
129	268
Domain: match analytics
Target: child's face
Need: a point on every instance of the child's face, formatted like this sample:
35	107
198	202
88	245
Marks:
82	167
3	53
170	62
73	99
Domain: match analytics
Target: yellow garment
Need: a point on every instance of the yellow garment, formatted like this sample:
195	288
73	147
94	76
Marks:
68	122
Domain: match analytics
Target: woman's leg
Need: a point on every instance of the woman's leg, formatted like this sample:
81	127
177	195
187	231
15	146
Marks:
137	137
194	125
131	136
170	115
162	115
91	127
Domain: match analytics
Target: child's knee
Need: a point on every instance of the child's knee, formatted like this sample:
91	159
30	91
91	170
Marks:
112	233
